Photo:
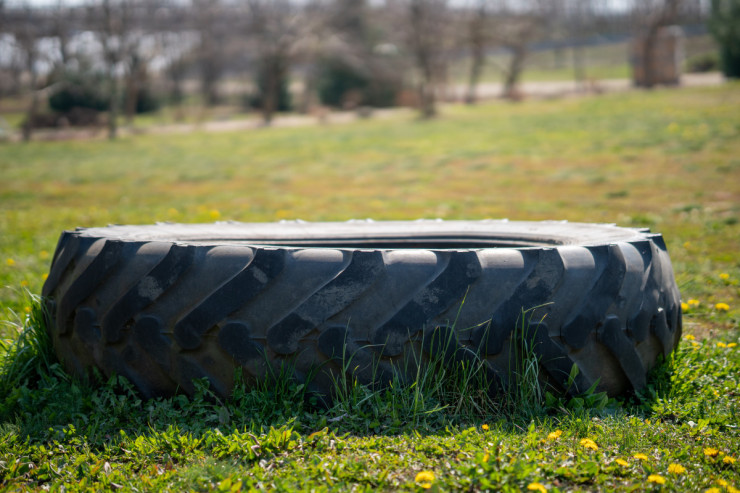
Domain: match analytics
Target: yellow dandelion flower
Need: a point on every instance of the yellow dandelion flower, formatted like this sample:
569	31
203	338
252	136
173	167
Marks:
43	254
9	262
727	459
485	427
724	276
554	435
693	302
721	344
44	276
722	307
425	479
711	452
24	283
732	489
732	344
486	457
27	309
588	443
676	469
712	490
656	478
622	462
689	337
640	456
215	214
723	483
684	307
537	487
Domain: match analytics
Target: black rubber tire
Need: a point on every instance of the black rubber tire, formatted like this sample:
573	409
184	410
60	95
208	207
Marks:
164	304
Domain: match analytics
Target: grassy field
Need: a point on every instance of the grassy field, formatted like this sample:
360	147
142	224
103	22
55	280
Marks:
666	159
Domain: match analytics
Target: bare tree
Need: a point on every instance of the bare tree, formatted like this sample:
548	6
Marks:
650	16
426	39
276	29
209	18
112	21
122	30
575	23
177	50
11	72
516	29
135	66
580	18
478	39
345	41
358	62
26	32
61	28
141	46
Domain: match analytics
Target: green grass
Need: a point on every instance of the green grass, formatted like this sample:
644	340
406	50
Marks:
57	431
666	159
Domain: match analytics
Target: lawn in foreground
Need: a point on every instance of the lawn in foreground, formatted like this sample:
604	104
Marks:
664	159
680	434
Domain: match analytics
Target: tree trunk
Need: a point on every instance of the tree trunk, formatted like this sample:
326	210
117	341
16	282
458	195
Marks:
427	100
477	39
132	93
516	66
308	97
176	74
209	79
579	67
32	109
273	79
113	106
423	47
476	67
268	101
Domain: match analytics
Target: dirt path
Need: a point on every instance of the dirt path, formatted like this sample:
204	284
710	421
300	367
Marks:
486	91
552	89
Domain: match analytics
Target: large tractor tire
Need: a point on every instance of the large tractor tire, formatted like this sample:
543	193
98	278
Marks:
168	303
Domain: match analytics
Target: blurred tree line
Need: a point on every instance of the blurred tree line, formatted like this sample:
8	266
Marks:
127	56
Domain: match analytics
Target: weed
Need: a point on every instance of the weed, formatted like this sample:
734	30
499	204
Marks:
525	392
28	357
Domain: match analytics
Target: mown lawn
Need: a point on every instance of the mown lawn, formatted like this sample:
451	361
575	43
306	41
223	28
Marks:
666	159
